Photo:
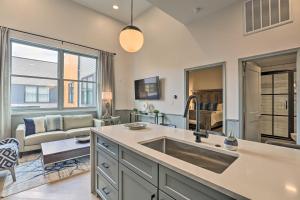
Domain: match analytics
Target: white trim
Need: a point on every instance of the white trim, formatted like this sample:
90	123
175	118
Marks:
298	96
224	76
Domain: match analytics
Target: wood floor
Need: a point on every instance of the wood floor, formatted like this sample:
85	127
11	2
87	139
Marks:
73	188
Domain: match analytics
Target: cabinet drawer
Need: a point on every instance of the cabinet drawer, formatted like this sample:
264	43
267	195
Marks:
134	187
164	196
140	165
108	167
182	188
109	147
104	189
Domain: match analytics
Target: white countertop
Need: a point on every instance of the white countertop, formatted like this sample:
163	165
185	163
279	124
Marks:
261	171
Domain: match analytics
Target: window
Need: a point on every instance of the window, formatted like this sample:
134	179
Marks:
44	94
30	94
263	14
36	79
81	72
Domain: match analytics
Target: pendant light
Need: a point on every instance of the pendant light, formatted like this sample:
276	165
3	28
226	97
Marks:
131	37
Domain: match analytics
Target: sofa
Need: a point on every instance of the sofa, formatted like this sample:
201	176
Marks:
71	126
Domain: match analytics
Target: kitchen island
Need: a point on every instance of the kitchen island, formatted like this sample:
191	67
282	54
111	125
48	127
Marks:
124	168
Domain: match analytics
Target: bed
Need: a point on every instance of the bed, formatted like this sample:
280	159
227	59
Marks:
211	116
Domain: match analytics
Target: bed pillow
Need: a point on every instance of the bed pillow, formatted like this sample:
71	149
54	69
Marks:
34	125
54	123
206	106
213	106
220	107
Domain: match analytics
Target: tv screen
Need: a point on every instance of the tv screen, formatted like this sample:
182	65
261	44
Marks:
147	88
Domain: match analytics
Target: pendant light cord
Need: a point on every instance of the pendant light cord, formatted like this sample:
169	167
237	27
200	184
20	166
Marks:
131	19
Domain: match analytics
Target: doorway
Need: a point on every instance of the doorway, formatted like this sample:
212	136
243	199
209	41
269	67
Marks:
269	97
209	85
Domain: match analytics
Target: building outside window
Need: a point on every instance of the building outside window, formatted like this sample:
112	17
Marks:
71	92
81	71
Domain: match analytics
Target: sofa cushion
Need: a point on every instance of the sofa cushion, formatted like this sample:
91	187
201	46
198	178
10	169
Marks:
78	132
54	123
44	137
77	121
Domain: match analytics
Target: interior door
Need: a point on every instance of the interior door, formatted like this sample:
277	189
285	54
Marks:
252	101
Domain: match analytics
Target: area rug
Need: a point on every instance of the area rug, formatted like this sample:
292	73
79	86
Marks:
30	174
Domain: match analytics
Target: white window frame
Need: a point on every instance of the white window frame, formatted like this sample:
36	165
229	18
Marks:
60	78
267	27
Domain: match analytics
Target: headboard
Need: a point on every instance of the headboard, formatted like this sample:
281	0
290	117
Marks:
209	96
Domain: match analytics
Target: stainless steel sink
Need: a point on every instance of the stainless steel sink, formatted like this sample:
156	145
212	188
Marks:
205	158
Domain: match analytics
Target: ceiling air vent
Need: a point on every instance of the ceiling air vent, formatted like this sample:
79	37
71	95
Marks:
264	14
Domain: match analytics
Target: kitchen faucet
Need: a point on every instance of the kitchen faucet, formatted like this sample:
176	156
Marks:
197	132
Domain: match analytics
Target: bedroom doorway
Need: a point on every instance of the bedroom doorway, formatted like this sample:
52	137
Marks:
208	83
269	97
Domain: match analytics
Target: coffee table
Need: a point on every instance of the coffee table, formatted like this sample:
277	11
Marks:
63	150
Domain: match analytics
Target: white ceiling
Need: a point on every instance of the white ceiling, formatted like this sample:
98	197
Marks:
185	10
182	10
122	14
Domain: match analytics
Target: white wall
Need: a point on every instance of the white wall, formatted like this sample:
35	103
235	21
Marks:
170	47
66	20
206	79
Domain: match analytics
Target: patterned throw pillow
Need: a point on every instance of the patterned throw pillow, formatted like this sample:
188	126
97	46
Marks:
54	122
34	125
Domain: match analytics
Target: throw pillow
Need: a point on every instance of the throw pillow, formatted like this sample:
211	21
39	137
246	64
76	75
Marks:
54	122
39	123
29	127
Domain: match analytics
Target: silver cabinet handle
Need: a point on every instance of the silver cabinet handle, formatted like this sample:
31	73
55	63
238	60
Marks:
105	145
153	196
106	192
105	165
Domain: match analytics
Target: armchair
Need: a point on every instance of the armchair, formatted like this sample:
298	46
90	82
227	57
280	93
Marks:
9	153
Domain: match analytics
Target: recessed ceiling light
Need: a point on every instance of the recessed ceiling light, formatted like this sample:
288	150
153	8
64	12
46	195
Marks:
116	7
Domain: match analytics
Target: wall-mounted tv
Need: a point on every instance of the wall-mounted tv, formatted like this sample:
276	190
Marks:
147	88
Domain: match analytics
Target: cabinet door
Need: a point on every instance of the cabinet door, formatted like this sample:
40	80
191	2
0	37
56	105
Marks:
134	187
163	196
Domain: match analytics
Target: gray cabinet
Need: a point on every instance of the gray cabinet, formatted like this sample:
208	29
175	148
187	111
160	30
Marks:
142	166
108	146
134	187
182	188
104	189
108	166
163	196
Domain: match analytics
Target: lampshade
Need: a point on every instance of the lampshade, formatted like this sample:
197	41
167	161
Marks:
107	95
131	39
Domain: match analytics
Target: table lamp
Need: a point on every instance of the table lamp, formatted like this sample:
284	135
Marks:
107	97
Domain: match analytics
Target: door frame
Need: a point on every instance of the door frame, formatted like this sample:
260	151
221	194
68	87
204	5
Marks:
202	67
241	77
